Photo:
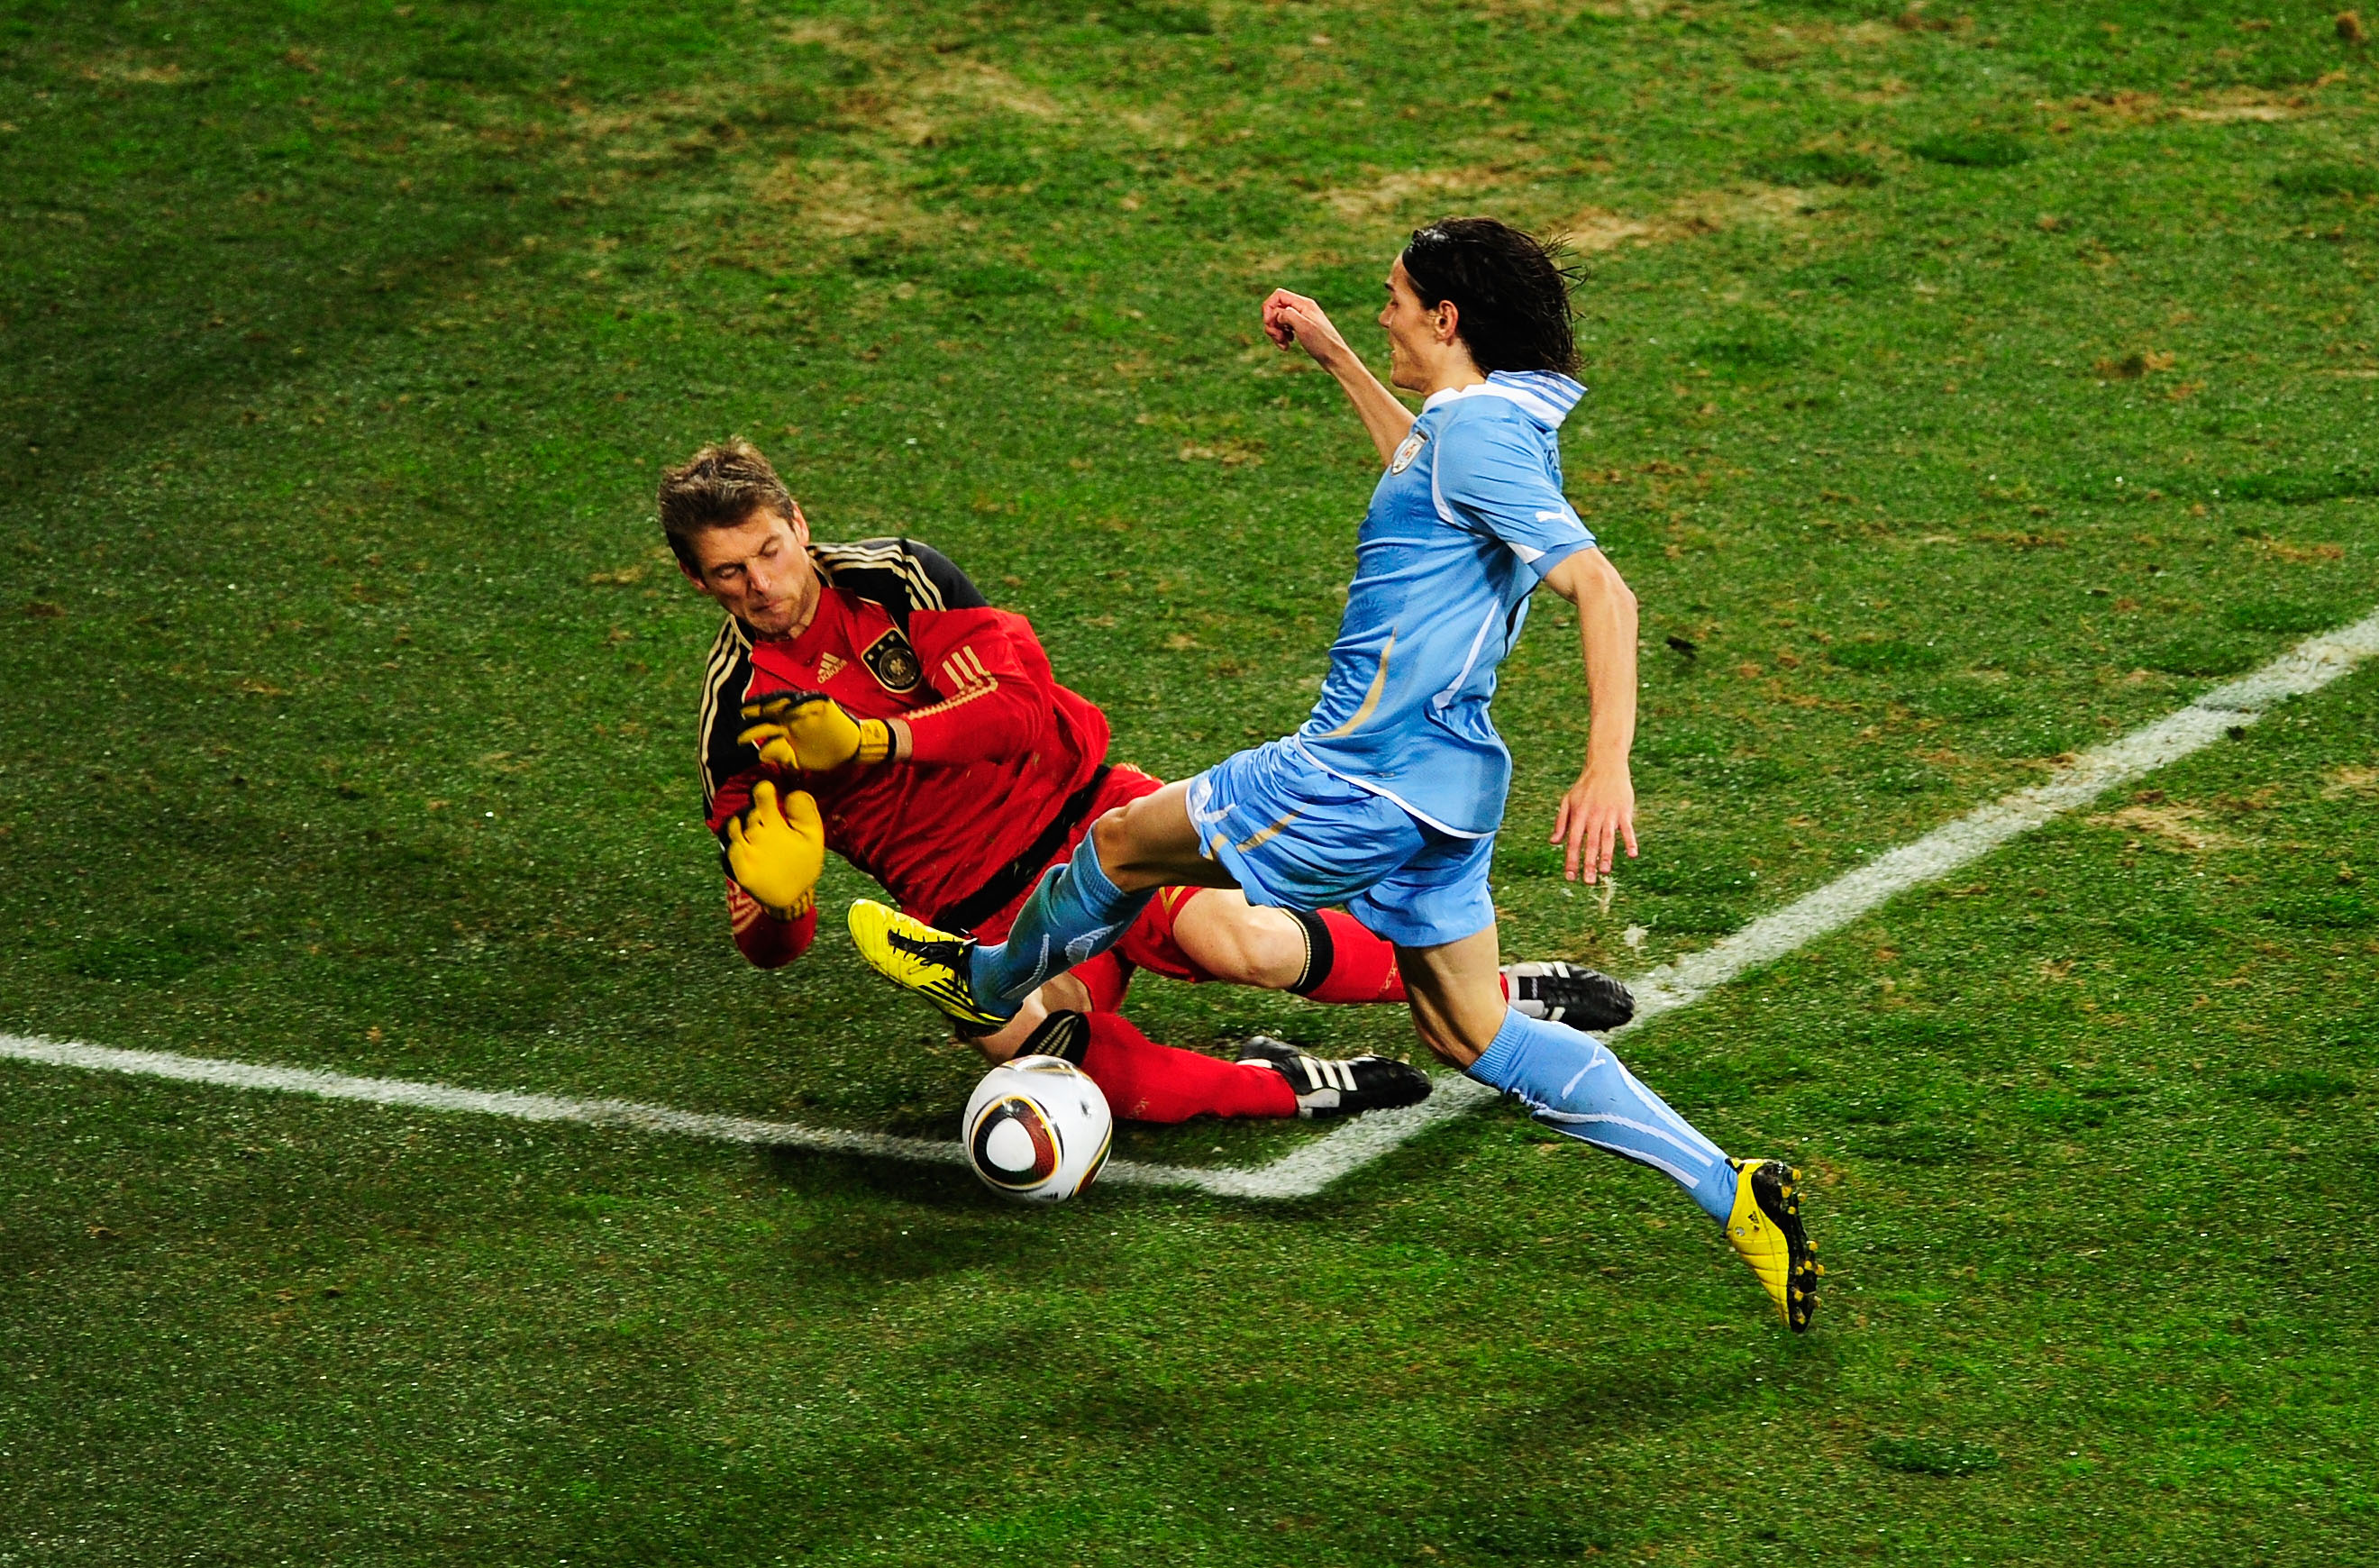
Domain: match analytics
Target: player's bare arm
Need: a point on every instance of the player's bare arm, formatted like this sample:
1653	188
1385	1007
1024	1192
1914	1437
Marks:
1426	353
1598	812
1292	321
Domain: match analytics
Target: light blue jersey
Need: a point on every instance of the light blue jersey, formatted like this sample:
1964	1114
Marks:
1467	521
1387	800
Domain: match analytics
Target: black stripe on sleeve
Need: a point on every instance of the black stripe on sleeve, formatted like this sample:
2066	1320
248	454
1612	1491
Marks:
726	674
901	574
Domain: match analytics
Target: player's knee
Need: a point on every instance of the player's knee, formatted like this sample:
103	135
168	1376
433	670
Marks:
1273	950
1123	839
1111	837
1257	948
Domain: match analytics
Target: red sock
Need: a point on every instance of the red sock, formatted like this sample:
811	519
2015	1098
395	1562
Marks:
1147	1082
1345	962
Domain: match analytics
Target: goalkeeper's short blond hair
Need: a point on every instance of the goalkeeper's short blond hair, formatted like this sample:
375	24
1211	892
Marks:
719	486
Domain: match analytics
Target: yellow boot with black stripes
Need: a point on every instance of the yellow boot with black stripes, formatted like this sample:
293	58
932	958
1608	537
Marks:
915	957
1766	1232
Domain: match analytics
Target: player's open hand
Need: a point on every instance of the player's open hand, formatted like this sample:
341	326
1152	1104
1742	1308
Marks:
1293	321
1597	816
775	850
809	730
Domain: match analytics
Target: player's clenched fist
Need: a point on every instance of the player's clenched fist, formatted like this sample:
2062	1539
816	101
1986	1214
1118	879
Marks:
774	851
809	730
1294	320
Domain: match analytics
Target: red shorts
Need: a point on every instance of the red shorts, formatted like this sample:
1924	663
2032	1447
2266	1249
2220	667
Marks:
1149	944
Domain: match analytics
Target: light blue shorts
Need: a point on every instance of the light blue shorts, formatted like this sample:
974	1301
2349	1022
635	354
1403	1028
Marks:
1296	837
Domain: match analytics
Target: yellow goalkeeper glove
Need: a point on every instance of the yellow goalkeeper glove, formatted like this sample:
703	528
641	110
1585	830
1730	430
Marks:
776	852
809	730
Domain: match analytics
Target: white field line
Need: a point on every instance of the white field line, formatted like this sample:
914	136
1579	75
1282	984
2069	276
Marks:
406	1094
2308	667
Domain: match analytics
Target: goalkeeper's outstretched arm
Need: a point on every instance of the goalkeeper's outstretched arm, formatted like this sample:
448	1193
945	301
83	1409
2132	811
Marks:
766	941
984	662
774	848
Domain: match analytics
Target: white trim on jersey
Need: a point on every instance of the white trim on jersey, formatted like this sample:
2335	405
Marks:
1546	396
893	557
1454	688
1374	787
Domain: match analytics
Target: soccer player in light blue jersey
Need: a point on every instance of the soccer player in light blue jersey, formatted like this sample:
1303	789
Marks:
1387	800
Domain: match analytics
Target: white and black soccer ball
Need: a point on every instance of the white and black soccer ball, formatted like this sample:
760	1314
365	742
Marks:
1037	1130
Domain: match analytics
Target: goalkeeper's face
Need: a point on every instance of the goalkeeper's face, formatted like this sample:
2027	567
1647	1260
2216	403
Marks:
759	572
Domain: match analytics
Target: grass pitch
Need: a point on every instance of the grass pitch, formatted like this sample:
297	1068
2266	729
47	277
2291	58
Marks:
1966	386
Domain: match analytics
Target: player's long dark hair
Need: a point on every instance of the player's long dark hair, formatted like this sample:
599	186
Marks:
1510	289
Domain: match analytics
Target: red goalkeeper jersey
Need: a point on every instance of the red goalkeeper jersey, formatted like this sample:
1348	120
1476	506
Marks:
997	746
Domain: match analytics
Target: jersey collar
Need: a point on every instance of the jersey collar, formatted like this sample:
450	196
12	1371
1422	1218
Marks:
1440	399
1545	396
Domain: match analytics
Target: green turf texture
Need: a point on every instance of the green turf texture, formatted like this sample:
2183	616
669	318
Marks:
1969	385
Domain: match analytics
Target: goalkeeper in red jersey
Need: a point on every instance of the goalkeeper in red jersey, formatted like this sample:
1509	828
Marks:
865	698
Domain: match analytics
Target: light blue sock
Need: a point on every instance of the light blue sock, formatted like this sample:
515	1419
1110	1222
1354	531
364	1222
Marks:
1571	1083
1075	914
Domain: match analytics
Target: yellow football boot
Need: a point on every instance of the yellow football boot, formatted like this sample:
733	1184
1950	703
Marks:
1765	1231
917	958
